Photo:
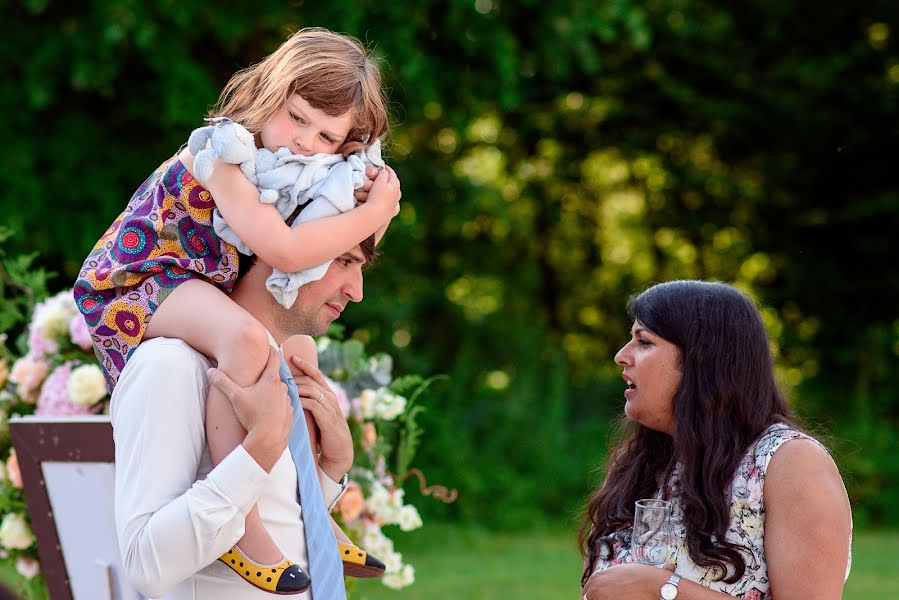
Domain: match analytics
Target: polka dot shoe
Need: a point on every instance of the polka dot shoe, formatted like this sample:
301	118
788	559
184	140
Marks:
283	578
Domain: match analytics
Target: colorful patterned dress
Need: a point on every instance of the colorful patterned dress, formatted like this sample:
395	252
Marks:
163	238
747	523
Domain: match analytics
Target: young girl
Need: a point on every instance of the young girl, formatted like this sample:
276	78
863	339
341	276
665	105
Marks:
317	93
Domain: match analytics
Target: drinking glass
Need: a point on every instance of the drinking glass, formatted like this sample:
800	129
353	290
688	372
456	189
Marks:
652	532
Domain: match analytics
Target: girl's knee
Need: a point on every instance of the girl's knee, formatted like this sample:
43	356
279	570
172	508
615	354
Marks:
302	346
245	346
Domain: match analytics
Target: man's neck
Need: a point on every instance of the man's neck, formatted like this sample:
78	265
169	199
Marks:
251	294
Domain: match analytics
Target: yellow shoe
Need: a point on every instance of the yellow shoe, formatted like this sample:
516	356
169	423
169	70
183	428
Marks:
283	578
359	563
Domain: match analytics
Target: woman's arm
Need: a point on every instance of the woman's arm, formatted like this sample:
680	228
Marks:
292	249
808	524
633	581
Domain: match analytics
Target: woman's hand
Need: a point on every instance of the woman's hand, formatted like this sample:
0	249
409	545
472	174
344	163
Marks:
629	581
335	442
263	409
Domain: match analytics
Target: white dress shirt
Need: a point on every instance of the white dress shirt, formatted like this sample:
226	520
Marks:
175	514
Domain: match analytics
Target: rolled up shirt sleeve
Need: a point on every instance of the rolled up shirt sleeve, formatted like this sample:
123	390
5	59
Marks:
169	524
331	490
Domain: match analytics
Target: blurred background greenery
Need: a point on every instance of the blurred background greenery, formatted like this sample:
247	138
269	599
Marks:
556	157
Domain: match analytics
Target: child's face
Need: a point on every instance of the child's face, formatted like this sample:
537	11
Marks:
305	130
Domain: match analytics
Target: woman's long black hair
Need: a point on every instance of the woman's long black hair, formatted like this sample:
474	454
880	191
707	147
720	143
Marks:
726	399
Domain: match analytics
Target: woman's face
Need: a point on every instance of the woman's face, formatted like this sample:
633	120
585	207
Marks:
652	375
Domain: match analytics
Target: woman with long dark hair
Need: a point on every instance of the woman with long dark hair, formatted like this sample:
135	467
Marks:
758	508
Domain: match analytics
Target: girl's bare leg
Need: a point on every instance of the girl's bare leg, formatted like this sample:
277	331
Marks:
204	317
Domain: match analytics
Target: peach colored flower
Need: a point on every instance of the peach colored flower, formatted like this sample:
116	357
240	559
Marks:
369	436
28	373
12	470
351	503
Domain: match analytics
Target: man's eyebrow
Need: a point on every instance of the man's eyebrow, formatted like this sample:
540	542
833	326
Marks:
353	257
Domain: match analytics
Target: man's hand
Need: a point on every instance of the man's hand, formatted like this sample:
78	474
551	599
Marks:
335	442
263	409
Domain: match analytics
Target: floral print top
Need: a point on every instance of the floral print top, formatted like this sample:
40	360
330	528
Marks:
747	524
164	237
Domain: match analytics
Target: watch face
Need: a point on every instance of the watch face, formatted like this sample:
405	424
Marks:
669	592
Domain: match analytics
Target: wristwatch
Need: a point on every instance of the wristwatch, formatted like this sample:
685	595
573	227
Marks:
669	590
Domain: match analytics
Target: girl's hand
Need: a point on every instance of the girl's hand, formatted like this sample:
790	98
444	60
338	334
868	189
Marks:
385	192
362	193
629	581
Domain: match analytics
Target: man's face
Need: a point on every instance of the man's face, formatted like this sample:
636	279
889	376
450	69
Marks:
320	302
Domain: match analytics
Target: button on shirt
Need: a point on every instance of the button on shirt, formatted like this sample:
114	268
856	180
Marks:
175	513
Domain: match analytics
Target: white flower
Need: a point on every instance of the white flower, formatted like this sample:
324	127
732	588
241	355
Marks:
409	518
367	401
15	532
389	405
393	562
322	343
27	567
379	503
86	385
405	577
53	315
374	540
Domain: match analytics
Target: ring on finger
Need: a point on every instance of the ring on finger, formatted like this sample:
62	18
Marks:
321	396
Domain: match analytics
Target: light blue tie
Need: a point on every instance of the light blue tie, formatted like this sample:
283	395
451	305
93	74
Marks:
325	566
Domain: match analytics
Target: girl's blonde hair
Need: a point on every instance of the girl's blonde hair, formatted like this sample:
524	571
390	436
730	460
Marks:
331	71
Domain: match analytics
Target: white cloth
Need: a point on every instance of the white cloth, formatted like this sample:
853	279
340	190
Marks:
286	181
175	514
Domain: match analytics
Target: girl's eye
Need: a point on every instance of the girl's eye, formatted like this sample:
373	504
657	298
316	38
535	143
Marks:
642	342
327	139
297	118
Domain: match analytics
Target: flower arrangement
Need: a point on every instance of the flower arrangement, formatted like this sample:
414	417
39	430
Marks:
55	373
381	412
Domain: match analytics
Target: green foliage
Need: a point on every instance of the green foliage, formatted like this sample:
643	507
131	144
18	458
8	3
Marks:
556	157
21	285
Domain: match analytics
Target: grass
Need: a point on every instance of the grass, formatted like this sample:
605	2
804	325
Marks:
463	562
453	562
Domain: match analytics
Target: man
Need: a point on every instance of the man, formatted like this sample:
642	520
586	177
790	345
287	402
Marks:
175	515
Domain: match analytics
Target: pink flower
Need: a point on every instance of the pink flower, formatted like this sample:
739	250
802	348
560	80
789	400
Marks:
28	373
13	471
39	344
54	399
27	567
342	400
356	408
80	334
